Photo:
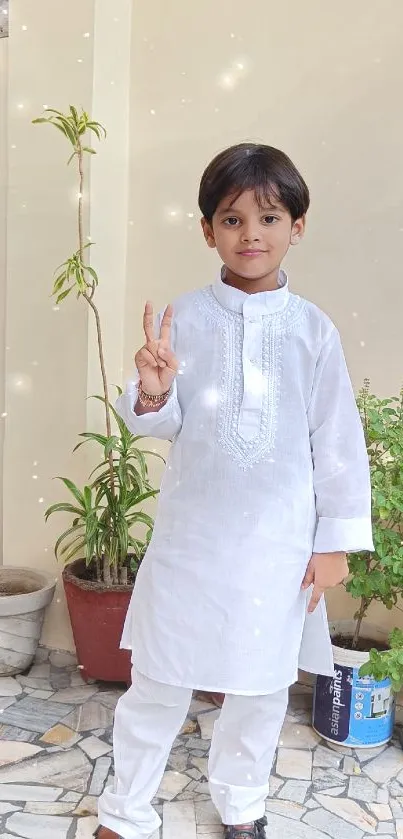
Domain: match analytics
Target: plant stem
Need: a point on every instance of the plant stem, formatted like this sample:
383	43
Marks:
101	355
98	569
360	617
106	571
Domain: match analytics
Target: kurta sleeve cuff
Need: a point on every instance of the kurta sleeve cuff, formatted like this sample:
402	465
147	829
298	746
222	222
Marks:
164	424
348	535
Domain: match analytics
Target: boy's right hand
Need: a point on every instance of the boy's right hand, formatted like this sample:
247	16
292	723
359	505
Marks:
155	362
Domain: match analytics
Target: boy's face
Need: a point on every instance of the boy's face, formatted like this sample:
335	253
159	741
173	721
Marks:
252	240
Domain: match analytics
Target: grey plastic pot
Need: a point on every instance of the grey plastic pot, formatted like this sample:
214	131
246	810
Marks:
24	596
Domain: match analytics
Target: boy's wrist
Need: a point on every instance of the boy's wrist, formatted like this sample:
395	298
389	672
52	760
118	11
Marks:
151	400
148	403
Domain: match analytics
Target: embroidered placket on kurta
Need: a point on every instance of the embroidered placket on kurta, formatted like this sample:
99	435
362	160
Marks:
254	380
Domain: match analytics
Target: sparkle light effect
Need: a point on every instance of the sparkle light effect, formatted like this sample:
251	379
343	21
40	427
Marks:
174	214
229	79
20	383
211	397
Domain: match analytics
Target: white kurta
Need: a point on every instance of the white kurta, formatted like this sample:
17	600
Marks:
268	464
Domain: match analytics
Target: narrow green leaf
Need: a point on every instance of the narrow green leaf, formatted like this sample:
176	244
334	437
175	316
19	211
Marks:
93	273
63	294
74	490
74	113
64	536
63	508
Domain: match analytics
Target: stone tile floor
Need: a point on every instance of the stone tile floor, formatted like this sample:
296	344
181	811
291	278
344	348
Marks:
56	756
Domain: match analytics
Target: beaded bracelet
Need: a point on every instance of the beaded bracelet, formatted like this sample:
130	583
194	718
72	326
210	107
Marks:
147	400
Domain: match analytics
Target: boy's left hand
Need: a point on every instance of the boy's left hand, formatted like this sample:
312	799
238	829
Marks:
324	571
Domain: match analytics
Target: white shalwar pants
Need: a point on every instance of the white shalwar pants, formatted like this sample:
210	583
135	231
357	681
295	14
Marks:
147	720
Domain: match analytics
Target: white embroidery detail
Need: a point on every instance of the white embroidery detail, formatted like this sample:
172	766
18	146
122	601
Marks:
274	327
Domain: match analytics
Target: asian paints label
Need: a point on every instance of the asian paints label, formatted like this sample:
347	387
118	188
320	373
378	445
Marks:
352	711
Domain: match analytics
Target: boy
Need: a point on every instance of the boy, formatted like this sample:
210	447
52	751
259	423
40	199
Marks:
266	490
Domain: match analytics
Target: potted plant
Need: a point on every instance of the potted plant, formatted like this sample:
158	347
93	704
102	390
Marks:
356	706
100	550
24	596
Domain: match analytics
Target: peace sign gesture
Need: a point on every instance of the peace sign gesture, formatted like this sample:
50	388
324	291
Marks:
155	361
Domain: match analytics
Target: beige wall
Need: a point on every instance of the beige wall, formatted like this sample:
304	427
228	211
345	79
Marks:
322	81
46	363
3	251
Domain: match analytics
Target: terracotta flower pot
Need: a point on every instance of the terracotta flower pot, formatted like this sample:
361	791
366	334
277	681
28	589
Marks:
97	615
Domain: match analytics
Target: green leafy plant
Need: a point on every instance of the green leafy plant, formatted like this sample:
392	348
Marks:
378	575
107	510
388	664
103	522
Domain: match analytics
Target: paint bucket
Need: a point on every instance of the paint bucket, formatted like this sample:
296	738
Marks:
350	711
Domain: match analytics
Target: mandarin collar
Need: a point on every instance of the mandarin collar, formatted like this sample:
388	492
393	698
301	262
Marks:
262	303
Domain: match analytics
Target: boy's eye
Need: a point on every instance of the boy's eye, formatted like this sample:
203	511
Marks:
270	219
231	221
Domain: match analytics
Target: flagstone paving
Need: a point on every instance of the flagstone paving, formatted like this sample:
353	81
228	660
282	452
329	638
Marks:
56	757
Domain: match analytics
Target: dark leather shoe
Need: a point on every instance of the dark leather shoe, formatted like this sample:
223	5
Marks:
105	833
253	830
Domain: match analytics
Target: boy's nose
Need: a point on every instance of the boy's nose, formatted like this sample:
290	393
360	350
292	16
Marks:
250	235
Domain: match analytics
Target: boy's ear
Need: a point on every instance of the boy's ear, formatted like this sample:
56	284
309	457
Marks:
208	232
298	230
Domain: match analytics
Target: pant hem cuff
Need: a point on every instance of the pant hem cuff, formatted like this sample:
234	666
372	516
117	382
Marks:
125	830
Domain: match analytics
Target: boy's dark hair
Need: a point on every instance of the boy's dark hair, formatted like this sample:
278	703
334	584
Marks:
266	170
